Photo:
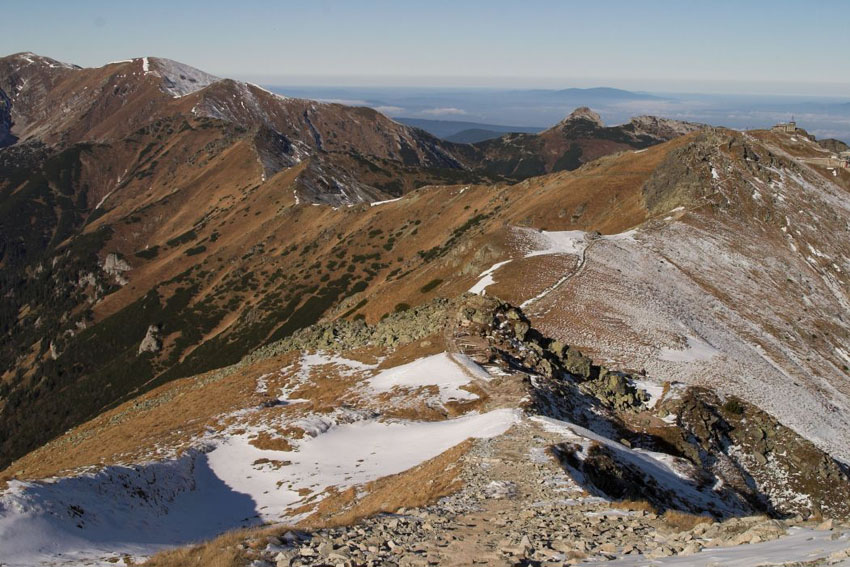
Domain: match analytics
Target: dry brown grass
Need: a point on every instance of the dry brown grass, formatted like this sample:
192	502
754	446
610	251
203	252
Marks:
513	284
410	405
427	346
684	521
223	551
219	182
415	487
171	415
231	549
265	441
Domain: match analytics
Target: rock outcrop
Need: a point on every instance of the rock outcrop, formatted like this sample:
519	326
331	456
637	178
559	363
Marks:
152	342
663	128
583	114
116	267
756	464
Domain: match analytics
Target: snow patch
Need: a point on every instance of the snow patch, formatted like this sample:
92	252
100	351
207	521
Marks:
141	509
376	203
486	278
119	510
471	367
345	366
437	370
696	350
177	79
343	456
563	242
654	390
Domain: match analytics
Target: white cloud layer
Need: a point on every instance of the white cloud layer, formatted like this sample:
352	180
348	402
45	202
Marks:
446	111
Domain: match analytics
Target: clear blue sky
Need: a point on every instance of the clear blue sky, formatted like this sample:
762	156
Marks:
791	47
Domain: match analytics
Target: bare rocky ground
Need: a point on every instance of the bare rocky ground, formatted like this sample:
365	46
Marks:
592	459
518	507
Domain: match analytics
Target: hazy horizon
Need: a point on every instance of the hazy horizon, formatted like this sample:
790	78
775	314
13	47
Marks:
793	48
825	117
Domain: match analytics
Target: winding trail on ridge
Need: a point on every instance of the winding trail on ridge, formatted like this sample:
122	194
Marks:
582	262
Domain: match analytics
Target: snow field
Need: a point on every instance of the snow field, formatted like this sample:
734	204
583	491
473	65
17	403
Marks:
486	278
438	370
800	545
227	483
141	509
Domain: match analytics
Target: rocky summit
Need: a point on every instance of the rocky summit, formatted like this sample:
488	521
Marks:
245	329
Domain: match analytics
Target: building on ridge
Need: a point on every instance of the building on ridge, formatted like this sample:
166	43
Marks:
786	127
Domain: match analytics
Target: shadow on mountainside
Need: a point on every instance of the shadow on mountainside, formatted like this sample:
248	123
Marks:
689	450
124	509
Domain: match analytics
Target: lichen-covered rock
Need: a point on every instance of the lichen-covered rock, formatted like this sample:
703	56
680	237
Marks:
578	364
396	329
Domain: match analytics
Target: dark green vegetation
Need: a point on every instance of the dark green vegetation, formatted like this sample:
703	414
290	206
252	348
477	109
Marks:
734	405
437	251
430	285
79	368
45	282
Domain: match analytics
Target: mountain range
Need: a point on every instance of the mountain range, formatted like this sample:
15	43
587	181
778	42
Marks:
148	165
825	116
223	308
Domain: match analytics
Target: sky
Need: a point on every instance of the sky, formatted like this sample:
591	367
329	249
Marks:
759	47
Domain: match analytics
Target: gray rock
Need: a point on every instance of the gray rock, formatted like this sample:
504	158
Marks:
152	341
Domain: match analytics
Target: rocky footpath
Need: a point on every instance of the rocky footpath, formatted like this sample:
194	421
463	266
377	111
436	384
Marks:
740	460
603	464
523	503
518	507
754	464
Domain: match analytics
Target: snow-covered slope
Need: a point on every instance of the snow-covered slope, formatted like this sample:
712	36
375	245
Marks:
139	509
740	284
801	546
283	436
178	79
230	478
436	370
